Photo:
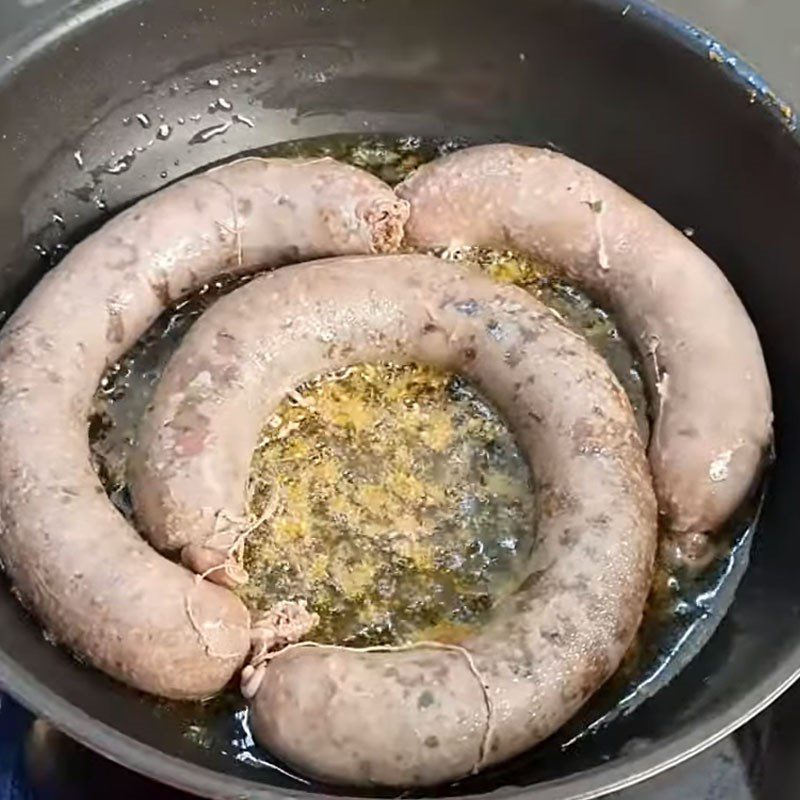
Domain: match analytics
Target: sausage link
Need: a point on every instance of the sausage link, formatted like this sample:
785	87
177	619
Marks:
88	575
708	383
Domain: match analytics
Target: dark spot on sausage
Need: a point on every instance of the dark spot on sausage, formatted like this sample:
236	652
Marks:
160	286
194	280
44	343
554	636
190	431
495	330
578	585
690	432
530	583
469	354
468	308
430	327
623	632
570	694
554	501
225	235
535	417
529	335
121	254
289	255
284	200
512	358
244	205
16	330
328	217
225	344
115	328
596	672
431	741
230	375
569	538
426	699
591	551
332	687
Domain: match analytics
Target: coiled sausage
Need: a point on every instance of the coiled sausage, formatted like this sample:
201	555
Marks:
444	712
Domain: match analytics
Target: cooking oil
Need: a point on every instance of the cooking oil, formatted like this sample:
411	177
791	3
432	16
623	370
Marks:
404	506
405	509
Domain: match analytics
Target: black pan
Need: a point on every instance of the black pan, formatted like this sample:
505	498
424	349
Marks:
622	86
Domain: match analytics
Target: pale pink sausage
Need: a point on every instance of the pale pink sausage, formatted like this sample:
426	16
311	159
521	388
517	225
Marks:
551	644
707	378
84	570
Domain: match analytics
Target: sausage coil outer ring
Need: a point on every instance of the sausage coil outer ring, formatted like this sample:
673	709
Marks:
431	714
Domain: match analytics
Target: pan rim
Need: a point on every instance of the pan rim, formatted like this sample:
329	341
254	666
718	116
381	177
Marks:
621	773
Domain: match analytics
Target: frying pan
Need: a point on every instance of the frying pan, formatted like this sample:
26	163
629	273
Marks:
91	103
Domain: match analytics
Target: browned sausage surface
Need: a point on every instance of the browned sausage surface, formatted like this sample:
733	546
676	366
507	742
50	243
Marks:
706	373
88	575
443	712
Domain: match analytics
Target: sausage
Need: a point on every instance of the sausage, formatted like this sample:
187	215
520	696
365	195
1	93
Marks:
704	366
444	711
84	570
